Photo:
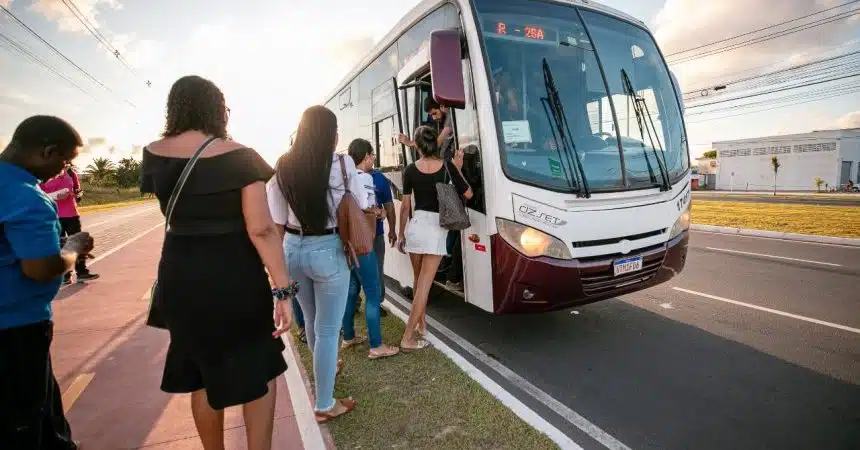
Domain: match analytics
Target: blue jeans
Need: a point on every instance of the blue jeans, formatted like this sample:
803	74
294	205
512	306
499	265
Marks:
365	275
319	265
297	313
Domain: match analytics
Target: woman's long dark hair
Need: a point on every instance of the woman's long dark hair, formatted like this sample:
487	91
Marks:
195	104
303	173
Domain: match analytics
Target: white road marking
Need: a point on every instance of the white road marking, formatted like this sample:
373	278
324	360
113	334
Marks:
772	311
547	400
114	219
725	250
787	241
309	429
123	245
117	248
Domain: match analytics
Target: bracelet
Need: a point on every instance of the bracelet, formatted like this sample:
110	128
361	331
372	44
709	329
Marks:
288	292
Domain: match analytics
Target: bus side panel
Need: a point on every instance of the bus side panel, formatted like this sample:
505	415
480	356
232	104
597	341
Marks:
397	265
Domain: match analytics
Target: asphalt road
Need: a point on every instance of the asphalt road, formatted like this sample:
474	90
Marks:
853	200
671	369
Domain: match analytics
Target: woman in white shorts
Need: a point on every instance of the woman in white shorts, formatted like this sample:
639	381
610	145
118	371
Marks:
421	236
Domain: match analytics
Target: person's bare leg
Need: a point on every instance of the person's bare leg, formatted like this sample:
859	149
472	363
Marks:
260	419
209	422
416	260
429	265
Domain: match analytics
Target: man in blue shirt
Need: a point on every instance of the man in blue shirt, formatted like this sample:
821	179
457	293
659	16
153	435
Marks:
363	155
31	268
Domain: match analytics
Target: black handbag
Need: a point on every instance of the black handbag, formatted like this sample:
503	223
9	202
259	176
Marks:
154	318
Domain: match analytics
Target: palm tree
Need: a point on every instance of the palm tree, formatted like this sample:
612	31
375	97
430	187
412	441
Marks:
100	170
774	161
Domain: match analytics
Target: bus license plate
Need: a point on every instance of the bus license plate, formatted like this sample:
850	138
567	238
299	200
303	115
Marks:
627	265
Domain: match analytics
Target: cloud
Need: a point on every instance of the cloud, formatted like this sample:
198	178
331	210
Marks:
9	96
56	11
850	120
683	24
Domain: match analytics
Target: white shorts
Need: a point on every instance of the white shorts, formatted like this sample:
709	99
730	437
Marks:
424	236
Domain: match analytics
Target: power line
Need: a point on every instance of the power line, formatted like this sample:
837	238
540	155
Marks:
61	54
761	29
773	91
16	47
767	37
825	97
729	76
73	8
778	72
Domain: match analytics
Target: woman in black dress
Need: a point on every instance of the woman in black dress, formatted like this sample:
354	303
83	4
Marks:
213	289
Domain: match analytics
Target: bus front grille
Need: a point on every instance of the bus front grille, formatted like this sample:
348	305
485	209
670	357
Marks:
599	277
615	240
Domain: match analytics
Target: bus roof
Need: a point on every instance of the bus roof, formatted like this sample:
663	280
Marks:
425	7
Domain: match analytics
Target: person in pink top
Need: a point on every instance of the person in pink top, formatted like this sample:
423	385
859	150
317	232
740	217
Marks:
65	190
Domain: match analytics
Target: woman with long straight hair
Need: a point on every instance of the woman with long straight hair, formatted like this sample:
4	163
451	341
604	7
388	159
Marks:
213	290
421	236
303	196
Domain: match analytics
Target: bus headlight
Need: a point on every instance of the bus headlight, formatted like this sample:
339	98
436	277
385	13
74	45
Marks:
683	223
531	242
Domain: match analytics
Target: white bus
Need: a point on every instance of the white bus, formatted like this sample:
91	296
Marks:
574	136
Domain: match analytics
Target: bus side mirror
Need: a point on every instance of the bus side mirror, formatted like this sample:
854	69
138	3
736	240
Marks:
446	73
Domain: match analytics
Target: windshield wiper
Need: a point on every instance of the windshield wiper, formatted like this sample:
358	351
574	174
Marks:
563	141
640	108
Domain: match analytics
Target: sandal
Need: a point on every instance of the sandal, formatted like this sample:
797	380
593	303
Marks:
303	336
421	344
383	351
348	403
352	342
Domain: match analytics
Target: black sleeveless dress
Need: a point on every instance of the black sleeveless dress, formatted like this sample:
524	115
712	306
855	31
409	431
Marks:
213	290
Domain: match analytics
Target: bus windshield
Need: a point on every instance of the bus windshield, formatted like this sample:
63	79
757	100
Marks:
622	123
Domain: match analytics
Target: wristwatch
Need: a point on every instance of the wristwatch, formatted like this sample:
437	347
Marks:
286	293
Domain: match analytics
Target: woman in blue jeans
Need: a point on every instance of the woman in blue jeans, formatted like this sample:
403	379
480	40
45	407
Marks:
367	274
303	196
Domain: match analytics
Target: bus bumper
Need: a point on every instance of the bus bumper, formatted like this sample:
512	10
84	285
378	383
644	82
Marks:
524	285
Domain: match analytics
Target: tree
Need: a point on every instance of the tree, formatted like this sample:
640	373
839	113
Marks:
710	154
101	170
127	172
818	183
774	161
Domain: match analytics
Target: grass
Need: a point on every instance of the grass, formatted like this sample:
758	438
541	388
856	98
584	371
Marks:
839	221
101	198
419	400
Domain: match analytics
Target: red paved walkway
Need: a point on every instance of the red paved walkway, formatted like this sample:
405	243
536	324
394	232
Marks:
100	337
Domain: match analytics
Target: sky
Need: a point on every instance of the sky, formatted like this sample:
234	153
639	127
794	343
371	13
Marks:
274	58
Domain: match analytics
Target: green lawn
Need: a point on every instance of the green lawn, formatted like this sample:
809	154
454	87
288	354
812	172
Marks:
839	221
420	401
100	198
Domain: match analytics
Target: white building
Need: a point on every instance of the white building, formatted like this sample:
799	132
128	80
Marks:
832	155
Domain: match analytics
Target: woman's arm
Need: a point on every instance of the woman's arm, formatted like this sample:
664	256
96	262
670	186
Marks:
405	208
460	181
264	233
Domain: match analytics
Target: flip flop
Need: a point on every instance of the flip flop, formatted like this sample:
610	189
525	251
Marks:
390	351
348	403
421	345
353	342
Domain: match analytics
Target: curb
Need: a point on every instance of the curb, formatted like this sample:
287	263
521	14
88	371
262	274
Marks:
851	242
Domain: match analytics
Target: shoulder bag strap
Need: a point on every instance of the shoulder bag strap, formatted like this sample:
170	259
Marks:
343	173
180	182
